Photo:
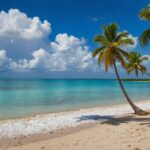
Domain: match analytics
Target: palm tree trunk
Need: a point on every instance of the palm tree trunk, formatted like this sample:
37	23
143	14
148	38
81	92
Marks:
136	109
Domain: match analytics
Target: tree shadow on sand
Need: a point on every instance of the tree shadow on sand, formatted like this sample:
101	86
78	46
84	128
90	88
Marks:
116	120
94	118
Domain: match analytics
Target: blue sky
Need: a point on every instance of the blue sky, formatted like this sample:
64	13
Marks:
80	19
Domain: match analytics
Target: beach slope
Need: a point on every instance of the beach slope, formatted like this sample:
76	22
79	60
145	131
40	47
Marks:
125	133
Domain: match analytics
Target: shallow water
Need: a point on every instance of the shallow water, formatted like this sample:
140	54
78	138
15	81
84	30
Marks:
22	97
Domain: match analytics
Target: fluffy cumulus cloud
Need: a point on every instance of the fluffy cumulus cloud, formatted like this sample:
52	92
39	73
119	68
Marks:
71	52
16	25
21	35
68	53
25	45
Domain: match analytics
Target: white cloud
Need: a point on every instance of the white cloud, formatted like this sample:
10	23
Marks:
135	39
21	35
16	24
72	52
68	53
38	61
4	60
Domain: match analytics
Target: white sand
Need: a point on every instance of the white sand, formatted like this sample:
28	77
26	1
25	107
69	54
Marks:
129	132
50	122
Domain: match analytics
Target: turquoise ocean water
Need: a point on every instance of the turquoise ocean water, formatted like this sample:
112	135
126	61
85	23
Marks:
20	97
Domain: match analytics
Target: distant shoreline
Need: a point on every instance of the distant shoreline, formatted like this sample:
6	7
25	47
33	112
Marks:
137	80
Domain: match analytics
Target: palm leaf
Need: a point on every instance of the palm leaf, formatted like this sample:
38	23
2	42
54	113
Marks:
145	37
126	41
109	60
130	69
145	58
145	13
124	53
119	57
113	30
143	69
101	58
121	35
101	39
107	33
97	51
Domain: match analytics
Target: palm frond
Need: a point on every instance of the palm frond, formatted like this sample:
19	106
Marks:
112	28
144	58
107	33
97	51
101	39
145	13
108	59
101	58
124	53
145	37
142	68
129	69
126	41
119	58
121	35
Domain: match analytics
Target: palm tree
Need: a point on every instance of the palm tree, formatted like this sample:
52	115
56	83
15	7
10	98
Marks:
110	52
135	63
145	15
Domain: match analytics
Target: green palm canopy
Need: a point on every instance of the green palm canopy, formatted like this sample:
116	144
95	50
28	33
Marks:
135	63
111	43
145	15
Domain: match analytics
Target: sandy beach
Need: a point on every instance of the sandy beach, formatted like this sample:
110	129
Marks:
125	133
110	127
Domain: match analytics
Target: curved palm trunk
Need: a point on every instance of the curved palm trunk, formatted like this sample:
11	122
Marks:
136	109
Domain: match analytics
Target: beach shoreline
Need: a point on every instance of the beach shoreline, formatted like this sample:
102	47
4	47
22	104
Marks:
129	132
51	125
106	105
